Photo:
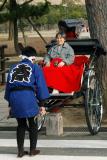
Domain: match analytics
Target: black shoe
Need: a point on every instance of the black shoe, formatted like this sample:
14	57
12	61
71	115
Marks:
34	152
22	153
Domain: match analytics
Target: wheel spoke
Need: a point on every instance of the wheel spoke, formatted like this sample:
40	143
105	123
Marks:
93	104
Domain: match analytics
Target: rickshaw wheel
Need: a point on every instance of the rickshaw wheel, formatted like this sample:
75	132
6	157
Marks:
93	104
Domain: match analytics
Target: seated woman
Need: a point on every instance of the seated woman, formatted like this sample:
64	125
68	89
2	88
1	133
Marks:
59	55
63	70
61	50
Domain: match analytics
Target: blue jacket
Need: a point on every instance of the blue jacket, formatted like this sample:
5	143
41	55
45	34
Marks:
24	103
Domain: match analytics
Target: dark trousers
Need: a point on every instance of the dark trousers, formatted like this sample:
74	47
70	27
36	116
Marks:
33	133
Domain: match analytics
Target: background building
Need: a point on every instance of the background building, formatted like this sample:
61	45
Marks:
53	2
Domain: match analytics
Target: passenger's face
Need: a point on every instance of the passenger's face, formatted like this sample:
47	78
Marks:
60	40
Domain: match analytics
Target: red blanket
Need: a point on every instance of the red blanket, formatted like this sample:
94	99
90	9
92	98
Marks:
67	78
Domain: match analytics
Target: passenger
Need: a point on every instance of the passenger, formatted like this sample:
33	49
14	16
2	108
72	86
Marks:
84	34
61	50
25	87
70	32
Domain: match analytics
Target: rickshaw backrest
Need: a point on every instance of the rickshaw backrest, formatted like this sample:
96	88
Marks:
90	47
70	35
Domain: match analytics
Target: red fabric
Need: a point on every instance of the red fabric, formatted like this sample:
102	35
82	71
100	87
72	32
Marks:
67	78
70	35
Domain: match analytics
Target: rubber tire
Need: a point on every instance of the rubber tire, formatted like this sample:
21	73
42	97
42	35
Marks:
92	109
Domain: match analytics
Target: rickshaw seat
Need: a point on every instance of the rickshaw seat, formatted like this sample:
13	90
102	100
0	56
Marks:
70	35
68	78
81	59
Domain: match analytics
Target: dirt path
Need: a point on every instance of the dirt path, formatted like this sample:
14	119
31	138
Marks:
35	42
32	39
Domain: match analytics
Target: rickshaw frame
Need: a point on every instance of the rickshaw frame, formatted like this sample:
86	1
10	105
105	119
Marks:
90	89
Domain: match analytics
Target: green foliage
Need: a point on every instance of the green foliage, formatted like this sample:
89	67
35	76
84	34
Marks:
57	13
50	18
77	11
54	15
31	10
43	13
4	17
23	11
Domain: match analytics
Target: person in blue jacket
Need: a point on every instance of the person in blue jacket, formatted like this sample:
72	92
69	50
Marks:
26	87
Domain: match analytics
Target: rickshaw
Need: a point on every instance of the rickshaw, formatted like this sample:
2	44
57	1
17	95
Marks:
71	27
87	51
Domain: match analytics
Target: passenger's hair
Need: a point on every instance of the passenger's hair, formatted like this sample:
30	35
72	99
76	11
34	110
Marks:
62	34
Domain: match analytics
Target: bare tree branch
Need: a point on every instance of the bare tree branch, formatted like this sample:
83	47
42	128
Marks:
30	21
26	2
1	7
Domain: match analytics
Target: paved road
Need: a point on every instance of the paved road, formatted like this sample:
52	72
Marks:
69	146
44	33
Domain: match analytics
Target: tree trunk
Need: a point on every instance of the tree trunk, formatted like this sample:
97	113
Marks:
16	37
13	7
10	31
97	17
29	20
23	32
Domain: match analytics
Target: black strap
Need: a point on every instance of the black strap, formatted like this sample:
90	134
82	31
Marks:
21	88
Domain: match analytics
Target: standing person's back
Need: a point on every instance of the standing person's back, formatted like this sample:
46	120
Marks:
25	87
